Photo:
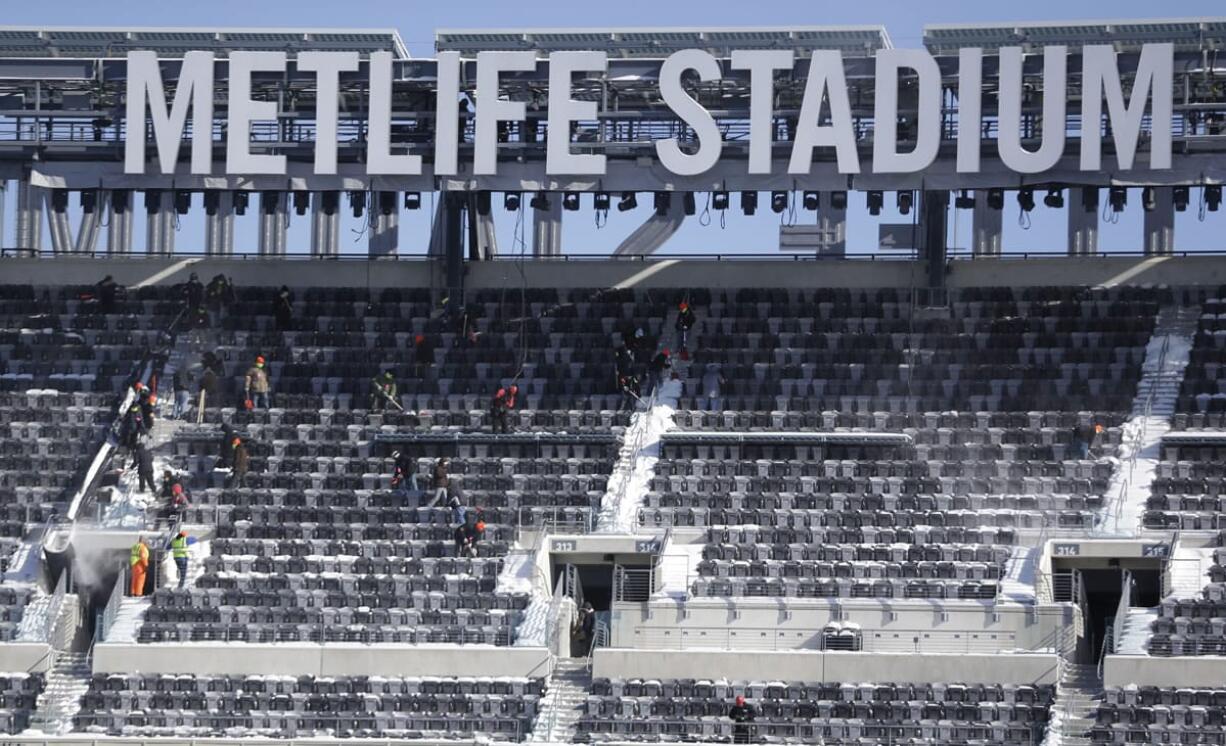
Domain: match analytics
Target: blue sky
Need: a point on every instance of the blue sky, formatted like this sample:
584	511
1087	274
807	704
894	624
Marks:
416	20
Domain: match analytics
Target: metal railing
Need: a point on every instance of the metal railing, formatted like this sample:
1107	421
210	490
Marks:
1111	645
870	731
106	618
889	640
632	584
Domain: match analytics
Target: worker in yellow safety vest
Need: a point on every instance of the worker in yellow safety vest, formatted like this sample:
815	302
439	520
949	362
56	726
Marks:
139	563
178	549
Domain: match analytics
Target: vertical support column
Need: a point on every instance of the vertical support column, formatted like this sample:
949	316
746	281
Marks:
547	228
160	222
452	243
1083	221
219	223
4	188
29	217
274	220
385	224
93	203
119	227
57	221
1160	223
987	226
832	224
934	236
325	223
485	240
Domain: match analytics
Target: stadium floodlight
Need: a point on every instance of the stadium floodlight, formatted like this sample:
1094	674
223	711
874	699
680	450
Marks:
996	199
387	202
357	202
302	202
1117	197
539	201
570	201
600	201
689	203
510	201
1089	199
749	202
412	200
1213	197
212	201
1025	199
779	201
810	200
240	202
628	202
121	199
875	200
719	201
838	200
1054	198
89	199
1179	195
1149	199
662	202
59	200
964	200
183	201
268	202
483	200
905	199
153	200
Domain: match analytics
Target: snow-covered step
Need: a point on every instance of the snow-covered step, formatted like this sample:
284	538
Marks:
1134	639
1188	571
1018	583
677	569
60	699
128	619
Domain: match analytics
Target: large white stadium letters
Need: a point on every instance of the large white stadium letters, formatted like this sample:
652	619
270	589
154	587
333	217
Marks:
825	126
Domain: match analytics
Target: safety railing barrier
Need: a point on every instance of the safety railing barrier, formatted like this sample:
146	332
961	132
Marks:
922	641
1064	584
1115	630
111	610
657	562
724	730
1184	567
631	584
633	448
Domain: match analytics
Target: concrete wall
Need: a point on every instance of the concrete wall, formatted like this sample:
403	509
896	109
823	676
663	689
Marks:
828	666
788	624
603	273
334	659
27	657
1198	671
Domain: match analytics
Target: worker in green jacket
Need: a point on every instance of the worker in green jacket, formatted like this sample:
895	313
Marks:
178	549
383	392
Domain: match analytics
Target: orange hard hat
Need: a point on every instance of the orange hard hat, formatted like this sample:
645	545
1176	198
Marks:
419	338
139	386
683	305
480	525
259	360
177	489
740	700
236	441
666	352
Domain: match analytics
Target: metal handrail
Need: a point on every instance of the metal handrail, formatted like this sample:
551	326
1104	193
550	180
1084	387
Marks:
1121	616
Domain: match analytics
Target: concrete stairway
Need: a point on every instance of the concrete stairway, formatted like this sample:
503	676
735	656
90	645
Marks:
60	701
1078	695
564	701
1134	639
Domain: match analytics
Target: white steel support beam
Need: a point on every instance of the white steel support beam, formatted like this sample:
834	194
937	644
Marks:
1160	223
274	222
91	224
547	228
119	226
1082	224
987	227
29	217
219	226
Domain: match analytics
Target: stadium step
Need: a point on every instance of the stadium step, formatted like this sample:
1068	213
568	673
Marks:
1078	695
564	702
1134	640
60	700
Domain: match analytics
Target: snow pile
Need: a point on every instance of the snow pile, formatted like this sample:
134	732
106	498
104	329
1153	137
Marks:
627	489
35	619
533	630
678	568
518	573
1018	584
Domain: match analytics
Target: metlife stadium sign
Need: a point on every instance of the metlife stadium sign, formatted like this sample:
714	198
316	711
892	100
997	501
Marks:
825	120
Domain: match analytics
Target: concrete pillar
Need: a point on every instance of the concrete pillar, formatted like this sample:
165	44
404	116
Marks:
57	221
1082	222
219	225
325	224
91	225
119	226
29	217
274	222
987	227
4	188
1160	223
832	224
384	224
547	228
160	220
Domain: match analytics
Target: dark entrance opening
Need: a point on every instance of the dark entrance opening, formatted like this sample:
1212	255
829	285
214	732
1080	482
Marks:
1102	594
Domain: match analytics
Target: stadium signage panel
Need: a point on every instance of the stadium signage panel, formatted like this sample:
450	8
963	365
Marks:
825	120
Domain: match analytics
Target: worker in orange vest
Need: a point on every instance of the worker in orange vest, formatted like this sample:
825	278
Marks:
139	562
